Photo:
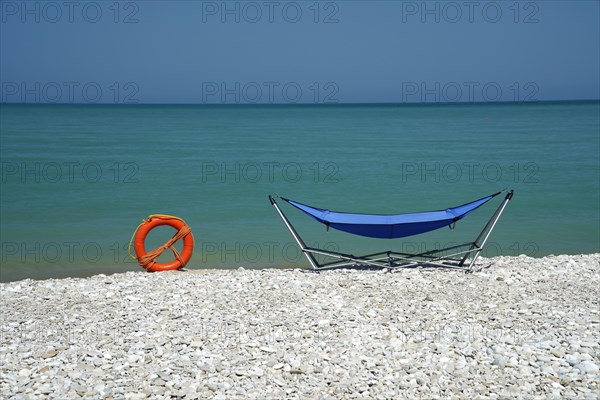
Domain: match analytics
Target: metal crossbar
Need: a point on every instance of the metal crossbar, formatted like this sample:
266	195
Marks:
391	259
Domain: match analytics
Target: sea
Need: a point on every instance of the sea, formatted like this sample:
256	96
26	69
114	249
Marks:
77	180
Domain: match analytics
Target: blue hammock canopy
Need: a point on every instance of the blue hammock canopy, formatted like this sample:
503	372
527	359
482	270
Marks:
390	226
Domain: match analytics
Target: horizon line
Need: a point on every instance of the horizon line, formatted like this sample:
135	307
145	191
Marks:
305	104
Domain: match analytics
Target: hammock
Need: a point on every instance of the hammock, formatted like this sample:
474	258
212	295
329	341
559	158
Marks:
390	226
395	226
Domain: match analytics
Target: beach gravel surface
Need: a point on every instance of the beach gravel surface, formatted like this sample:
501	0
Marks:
520	327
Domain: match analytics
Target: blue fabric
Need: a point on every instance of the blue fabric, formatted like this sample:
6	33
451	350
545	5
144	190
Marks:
390	226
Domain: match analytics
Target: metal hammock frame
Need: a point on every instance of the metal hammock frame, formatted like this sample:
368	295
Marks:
462	256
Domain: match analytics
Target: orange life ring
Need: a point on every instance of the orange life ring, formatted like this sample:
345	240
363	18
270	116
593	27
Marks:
147	259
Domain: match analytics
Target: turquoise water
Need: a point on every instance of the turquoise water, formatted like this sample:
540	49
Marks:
77	179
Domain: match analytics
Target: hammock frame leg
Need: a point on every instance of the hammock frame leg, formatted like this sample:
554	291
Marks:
448	257
486	232
297	238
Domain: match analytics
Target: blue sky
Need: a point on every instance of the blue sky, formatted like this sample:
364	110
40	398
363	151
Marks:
298	51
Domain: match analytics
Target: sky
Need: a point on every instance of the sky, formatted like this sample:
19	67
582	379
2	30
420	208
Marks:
288	52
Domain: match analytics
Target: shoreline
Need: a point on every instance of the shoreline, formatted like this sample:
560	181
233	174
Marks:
525	327
113	269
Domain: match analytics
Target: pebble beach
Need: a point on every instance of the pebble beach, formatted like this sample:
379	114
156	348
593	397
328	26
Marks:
519	327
